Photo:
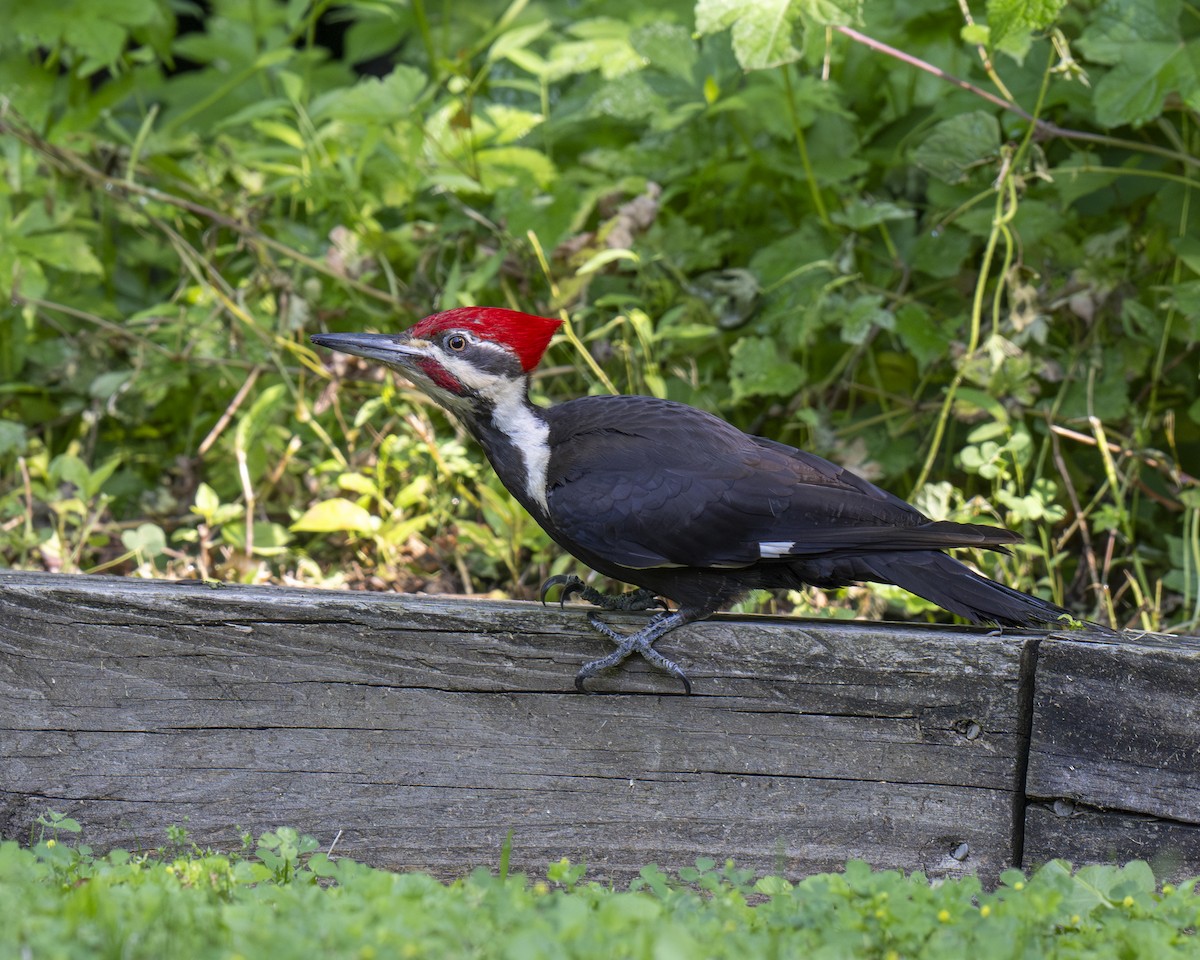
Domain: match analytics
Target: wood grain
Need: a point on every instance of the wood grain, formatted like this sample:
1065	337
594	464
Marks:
1114	762
424	729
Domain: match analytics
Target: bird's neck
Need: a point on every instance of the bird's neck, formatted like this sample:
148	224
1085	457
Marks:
515	435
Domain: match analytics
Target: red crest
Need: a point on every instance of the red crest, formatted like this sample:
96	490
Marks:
526	335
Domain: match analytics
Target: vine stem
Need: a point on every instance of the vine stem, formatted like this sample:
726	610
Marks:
1005	210
802	145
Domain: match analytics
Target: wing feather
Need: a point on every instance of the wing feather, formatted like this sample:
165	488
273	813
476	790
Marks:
649	483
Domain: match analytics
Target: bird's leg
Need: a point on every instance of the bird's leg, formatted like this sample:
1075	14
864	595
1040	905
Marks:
640	642
634	600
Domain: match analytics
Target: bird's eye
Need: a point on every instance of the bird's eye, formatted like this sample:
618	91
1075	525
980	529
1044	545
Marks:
457	342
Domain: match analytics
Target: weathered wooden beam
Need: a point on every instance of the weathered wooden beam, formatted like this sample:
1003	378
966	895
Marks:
1114	763
423	730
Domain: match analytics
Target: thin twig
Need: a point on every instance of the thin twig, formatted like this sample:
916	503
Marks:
230	409
1171	469
1044	128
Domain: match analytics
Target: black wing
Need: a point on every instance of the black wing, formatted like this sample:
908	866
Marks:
647	483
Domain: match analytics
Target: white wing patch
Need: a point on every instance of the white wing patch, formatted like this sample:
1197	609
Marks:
774	549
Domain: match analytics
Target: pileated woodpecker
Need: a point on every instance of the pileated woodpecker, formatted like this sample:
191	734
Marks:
673	499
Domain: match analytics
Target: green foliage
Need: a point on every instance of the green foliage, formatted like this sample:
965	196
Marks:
286	900
983	294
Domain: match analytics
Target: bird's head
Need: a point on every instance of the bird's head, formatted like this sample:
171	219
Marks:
460	356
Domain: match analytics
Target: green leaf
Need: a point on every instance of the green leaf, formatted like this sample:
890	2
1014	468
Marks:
602	44
12	437
99	476
860	316
1188	250
921	337
68	468
504	166
758	368
270	539
668	46
337	515
108	384
957	145
1143	42
862	213
147	541
207	502
64	251
1120	26
512	44
763	31
257	418
508	124
375	101
1012	22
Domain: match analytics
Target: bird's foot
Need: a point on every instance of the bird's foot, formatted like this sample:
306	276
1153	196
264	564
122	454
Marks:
571	585
640	642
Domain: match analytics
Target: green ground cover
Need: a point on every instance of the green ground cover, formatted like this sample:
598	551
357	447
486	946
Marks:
280	898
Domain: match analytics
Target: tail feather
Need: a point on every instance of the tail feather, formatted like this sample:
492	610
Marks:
953	586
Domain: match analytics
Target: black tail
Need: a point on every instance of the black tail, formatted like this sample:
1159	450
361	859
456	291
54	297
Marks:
955	587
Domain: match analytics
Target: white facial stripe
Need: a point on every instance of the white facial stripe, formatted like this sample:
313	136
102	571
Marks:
774	549
466	373
528	433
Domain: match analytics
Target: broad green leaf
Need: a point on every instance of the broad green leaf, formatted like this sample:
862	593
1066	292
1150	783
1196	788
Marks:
763	31
863	214
357	483
256	419
1188	250
1143	42
924	339
768	33
68	468
147	540
107	384
336	515
773	886
1012	22
601	43
98	477
12	437
1119	27
1134	92
508	124
759	369
374	101
956	145
860	316
668	46
512	43
630	98
207	502
66	251
270	539
502	166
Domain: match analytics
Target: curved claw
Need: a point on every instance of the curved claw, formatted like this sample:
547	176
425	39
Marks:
668	666
570	583
640	642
